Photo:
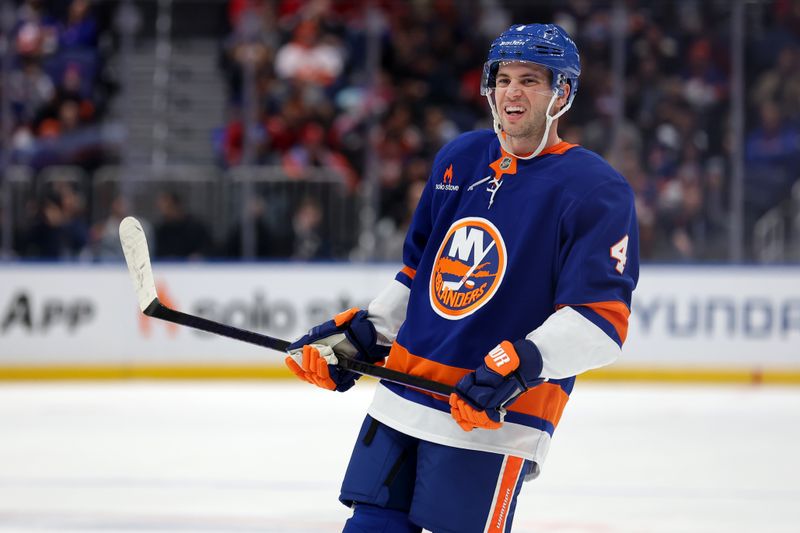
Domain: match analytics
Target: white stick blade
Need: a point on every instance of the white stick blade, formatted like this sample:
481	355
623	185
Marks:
134	246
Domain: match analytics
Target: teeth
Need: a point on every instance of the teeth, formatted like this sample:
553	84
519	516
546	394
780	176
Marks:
514	109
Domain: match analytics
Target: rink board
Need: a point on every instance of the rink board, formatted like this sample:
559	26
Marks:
82	321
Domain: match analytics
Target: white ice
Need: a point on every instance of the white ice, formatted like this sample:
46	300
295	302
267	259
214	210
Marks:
269	456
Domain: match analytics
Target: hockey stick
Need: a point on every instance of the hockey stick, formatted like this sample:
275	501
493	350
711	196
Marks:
134	246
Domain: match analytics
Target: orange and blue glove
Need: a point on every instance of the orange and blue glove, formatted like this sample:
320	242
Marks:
312	357
481	397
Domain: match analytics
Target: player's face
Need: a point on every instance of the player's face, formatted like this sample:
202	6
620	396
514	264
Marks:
522	94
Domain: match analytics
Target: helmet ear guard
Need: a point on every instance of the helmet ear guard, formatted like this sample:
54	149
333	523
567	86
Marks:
559	83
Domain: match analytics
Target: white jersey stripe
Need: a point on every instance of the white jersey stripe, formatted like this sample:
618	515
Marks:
437	426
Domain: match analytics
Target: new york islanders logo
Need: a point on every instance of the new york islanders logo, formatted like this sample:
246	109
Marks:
469	268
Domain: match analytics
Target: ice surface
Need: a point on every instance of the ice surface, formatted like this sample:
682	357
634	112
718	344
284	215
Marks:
269	456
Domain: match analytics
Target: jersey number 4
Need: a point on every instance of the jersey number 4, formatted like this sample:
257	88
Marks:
619	252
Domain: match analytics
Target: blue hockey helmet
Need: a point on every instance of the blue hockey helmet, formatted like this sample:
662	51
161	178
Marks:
544	44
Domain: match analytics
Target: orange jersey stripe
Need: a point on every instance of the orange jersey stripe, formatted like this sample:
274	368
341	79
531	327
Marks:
404	361
546	401
615	312
408	271
505	493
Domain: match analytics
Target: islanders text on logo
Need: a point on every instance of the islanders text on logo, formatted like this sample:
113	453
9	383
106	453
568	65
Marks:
447	181
468	269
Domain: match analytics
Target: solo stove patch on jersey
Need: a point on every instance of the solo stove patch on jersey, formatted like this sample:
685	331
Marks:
468	269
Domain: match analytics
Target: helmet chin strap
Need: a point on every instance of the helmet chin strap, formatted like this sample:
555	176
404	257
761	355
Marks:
498	128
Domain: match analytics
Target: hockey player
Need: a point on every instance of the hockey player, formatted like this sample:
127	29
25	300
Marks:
518	271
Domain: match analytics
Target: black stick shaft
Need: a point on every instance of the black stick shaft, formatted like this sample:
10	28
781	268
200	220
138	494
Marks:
158	310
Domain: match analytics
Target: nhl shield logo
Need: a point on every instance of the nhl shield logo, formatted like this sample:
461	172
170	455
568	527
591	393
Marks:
468	269
505	163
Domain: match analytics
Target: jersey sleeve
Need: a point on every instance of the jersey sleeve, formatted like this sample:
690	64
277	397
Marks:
598	269
387	311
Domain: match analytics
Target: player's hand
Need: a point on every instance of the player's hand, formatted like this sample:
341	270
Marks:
481	397
312	357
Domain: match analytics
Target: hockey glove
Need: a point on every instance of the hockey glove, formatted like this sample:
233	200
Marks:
312	357
507	371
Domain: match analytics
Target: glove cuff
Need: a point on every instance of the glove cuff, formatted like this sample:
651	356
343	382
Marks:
530	362
360	331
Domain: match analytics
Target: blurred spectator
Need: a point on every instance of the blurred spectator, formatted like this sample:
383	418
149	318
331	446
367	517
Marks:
598	133
310	239
390	235
45	237
704	83
251	45
438	130
30	89
284	128
68	117
104	242
57	230
787	14
80	29
239	8
179	235
73	207
781	83
232	145
776	142
630	166
772	157
310	57
76	84
269	243
36	31
644	93
313	153
680	203
233	142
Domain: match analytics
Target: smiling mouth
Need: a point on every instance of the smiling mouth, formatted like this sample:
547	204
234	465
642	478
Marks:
514	110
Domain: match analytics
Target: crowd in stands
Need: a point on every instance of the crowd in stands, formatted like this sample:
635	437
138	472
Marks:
55	87
673	144
321	100
57	99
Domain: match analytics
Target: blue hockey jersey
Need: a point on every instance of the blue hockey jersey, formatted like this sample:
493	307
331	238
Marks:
502	248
